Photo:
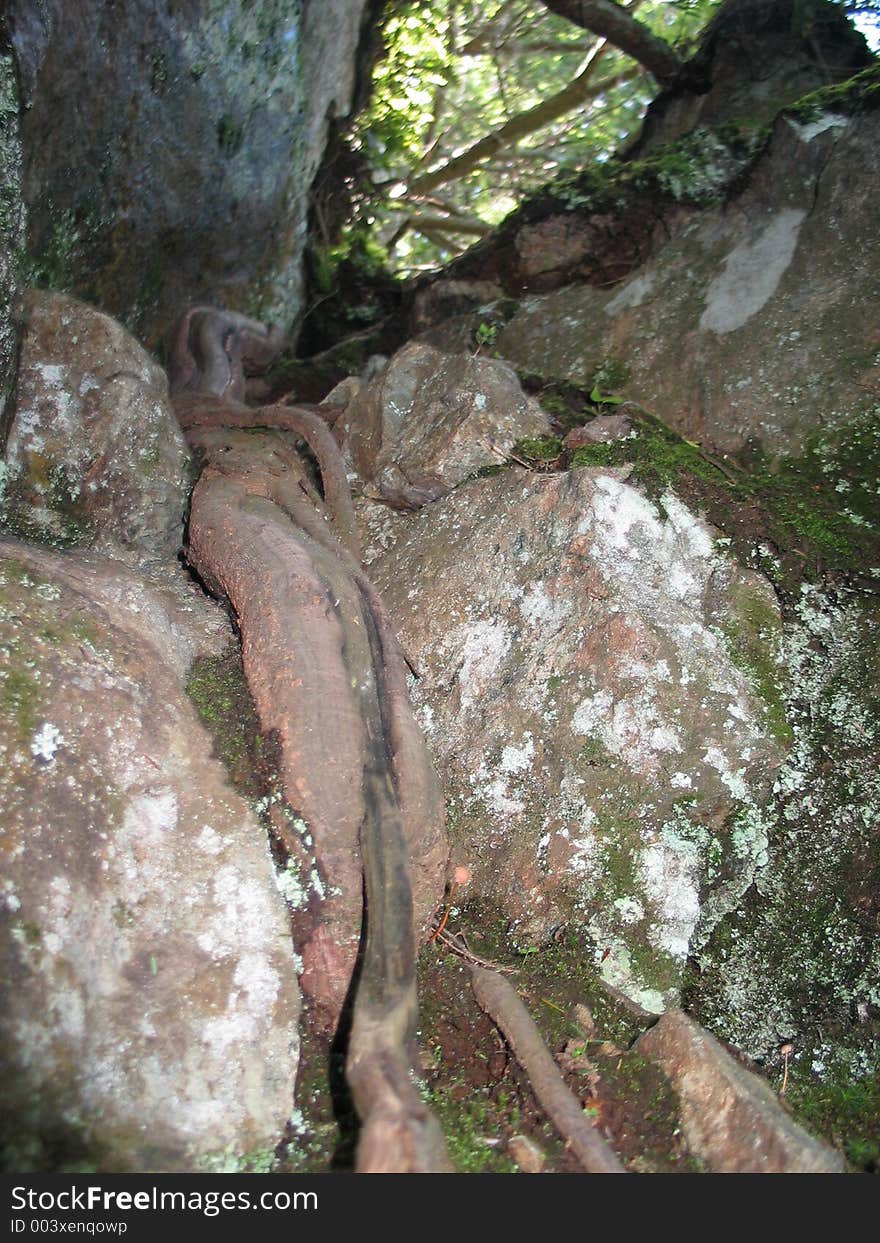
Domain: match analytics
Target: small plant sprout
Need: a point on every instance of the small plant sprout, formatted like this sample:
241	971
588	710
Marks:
485	335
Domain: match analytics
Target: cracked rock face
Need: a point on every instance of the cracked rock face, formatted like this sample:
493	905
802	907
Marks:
95	456
149	1020
588	690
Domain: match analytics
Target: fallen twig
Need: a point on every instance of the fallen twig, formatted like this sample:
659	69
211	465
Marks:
499	1000
458	946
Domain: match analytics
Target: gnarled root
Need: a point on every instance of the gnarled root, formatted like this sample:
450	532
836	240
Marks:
328	680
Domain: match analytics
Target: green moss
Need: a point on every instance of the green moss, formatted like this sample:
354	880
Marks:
828	496
658	455
753	637
843	1105
50	265
218	688
538	449
860	92
697	168
467	1126
21	696
228	1161
823	502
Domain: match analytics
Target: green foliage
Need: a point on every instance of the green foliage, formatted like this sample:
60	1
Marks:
486	334
455	73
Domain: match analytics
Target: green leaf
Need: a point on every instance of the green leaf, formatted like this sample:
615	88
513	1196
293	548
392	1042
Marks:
602	399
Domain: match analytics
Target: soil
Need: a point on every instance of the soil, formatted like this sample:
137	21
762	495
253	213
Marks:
481	1095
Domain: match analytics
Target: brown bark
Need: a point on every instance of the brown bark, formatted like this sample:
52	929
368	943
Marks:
203	412
328	679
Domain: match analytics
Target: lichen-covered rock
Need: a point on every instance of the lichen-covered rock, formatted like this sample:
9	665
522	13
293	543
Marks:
753	323
598	690
432	419
12	224
94	456
731	1118
798	961
183	170
149	1017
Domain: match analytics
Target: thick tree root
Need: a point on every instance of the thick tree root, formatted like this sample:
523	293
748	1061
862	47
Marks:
329	681
498	998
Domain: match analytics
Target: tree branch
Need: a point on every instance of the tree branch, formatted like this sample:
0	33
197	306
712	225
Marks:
619	27
577	92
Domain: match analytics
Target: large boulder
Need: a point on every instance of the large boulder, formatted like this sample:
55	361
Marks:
754	322
94	455
149	1017
169	149
597	689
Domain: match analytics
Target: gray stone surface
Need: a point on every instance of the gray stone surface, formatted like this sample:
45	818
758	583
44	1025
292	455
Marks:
606	752
430	420
94	454
150	1003
182	171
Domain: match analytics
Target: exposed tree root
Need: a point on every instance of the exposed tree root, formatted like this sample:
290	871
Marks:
364	811
498	998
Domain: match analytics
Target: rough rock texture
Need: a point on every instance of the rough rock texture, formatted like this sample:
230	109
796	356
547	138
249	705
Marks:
758	320
731	1118
150	1013
182	171
803	951
588	691
431	419
12	223
94	454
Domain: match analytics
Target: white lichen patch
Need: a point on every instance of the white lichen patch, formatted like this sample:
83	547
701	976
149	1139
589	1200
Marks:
483	645
670	871
818	957
751	273
808	130
46	741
